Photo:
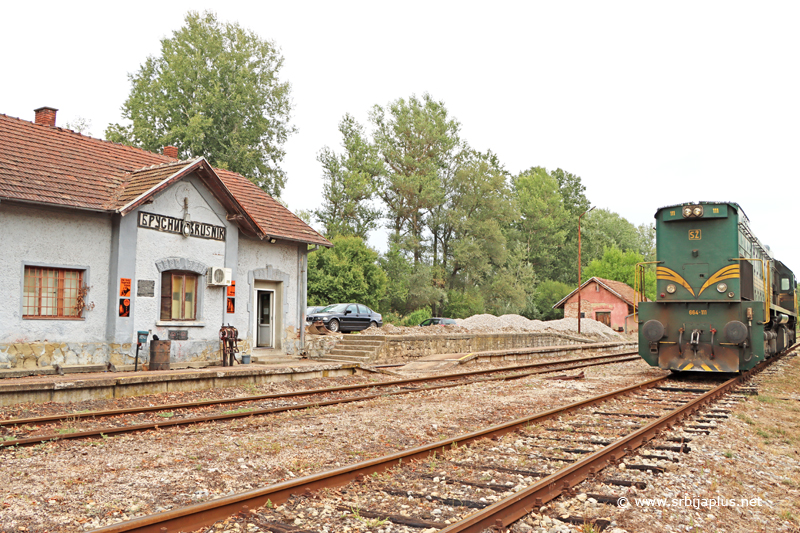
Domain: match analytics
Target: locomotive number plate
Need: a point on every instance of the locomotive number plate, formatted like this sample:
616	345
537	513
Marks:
698	311
694	235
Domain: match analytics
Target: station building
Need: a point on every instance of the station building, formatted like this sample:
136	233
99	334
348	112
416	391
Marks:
605	300
101	240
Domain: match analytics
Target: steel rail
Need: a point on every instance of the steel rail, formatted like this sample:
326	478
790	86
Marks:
292	394
203	514
514	507
112	430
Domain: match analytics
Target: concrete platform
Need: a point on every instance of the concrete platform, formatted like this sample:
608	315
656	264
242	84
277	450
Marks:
73	387
437	362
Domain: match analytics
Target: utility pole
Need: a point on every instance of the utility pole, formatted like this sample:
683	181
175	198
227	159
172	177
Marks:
579	267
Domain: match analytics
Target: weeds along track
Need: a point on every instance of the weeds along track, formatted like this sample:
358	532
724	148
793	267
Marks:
476	481
93	424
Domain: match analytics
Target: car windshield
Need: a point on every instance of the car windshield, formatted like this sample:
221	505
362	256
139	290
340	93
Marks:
335	308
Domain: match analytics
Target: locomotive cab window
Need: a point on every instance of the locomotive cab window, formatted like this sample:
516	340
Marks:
178	295
784	284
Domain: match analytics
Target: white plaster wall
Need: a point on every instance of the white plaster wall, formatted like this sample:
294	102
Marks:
283	260
153	245
53	237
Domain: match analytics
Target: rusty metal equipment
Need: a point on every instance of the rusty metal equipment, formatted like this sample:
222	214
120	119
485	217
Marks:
159	354
228	337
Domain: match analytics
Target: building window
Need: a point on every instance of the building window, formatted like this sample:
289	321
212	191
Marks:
178	295
52	293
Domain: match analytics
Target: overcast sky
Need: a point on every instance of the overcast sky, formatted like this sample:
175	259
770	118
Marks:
650	103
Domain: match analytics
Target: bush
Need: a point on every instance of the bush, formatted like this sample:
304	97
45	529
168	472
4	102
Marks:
392	318
417	316
463	304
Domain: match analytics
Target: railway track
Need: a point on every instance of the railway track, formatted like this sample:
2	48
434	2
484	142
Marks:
477	481
35	430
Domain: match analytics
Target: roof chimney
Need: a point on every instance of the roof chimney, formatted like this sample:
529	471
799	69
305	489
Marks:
171	151
46	116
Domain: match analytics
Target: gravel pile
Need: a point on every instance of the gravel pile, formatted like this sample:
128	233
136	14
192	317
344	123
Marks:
517	323
485	323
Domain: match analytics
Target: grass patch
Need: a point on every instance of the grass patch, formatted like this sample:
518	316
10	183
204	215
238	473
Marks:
238	411
168	414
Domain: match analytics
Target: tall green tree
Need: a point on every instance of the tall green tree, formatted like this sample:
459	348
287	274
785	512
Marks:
549	293
214	91
573	199
606	229
647	241
620	265
468	226
420	145
348	272
350	184
542	227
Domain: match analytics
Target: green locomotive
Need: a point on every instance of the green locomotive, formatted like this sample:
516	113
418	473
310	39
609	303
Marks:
723	303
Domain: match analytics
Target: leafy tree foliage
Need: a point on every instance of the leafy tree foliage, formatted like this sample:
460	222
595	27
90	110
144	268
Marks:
572	191
620	266
549	293
542	226
350	184
348	272
398	272
214	91
647	241
603	229
468	226
466	237
420	146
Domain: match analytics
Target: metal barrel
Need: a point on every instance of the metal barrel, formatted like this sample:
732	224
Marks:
159	355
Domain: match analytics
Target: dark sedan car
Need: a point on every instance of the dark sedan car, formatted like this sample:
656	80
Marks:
437	321
346	317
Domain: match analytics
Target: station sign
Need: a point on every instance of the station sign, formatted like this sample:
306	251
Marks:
187	228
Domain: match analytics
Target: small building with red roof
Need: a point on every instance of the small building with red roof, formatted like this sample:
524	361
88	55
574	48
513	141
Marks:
605	300
101	241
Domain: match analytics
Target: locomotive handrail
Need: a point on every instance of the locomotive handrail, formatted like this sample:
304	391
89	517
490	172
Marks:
765	275
638	285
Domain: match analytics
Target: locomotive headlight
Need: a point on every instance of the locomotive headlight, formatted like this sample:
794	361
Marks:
722	287
731	294
687	211
698	211
671	288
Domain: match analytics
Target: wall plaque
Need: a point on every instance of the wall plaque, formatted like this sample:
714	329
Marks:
146	288
187	228
178	334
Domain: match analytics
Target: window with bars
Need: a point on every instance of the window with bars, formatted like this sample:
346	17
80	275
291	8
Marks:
178	295
52	293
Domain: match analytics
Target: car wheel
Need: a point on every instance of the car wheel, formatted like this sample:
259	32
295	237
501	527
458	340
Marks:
373	324
333	325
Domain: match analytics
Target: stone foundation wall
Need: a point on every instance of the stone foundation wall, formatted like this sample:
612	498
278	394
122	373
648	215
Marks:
318	346
405	348
32	355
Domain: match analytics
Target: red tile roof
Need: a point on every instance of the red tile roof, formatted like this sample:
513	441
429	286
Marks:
623	291
56	166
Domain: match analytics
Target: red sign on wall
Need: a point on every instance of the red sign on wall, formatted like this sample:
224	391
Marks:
125	287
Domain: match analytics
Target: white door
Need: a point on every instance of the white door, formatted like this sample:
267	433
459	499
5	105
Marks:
264	319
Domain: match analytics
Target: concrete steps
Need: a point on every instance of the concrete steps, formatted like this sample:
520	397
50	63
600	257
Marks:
355	349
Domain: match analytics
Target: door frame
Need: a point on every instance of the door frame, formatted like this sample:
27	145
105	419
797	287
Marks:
257	315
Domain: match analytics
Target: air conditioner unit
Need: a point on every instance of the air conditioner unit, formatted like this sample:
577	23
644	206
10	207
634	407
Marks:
219	276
